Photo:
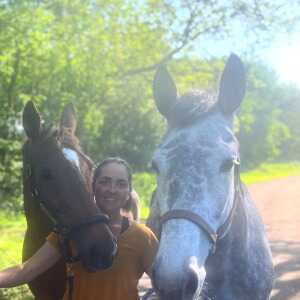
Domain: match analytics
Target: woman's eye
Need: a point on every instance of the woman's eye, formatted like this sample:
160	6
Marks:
226	165
122	184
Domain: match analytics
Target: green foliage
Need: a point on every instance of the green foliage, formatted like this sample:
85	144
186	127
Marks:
267	172
101	56
264	131
54	52
18	293
12	229
144	184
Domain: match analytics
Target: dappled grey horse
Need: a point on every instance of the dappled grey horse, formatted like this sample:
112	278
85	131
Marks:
212	240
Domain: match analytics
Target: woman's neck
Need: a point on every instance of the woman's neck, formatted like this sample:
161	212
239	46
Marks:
115	223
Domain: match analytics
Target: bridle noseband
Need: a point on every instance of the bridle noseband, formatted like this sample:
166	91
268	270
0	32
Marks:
213	235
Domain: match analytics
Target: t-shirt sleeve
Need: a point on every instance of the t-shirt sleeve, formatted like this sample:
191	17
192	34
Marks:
150	248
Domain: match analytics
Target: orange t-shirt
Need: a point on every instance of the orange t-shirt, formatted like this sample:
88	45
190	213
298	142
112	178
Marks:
137	246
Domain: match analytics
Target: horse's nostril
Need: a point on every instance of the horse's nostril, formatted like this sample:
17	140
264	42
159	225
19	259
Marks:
194	279
191	283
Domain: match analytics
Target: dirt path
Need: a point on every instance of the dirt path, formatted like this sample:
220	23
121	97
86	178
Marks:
279	204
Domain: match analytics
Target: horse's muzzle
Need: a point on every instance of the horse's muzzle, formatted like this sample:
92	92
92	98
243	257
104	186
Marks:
187	287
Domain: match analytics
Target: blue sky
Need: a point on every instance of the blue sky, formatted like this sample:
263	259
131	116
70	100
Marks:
282	54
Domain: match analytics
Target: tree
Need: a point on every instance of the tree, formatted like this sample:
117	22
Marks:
101	55
266	122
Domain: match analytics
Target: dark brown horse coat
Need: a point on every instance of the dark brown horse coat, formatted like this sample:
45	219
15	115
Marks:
51	284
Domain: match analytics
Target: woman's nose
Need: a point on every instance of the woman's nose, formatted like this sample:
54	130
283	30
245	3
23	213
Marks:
112	186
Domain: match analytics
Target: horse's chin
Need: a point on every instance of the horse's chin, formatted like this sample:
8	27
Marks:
96	248
94	259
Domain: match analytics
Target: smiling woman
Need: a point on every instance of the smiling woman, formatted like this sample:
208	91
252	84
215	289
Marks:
112	186
136	243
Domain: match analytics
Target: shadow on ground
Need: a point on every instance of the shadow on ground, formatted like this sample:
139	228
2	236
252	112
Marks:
286	257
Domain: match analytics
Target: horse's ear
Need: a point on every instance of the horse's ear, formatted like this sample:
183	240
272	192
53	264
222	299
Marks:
68	118
31	120
232	85
164	91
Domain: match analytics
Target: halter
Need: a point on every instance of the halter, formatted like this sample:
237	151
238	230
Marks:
63	230
213	235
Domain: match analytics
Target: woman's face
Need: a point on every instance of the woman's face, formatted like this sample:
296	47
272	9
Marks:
112	188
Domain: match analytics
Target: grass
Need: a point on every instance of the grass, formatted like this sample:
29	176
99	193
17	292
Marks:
267	172
11	236
12	227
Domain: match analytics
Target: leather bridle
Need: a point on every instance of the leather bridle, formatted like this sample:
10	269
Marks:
65	232
213	235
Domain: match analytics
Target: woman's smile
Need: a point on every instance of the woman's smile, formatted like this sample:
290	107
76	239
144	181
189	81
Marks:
112	188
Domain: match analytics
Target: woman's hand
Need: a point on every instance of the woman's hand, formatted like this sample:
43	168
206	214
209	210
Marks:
41	261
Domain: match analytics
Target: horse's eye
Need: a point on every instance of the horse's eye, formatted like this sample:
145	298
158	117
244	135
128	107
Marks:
46	174
154	167
226	165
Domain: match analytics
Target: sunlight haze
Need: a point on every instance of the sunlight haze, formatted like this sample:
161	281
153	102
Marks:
283	56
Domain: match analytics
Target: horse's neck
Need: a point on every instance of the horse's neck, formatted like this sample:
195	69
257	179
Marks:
243	258
245	227
153	221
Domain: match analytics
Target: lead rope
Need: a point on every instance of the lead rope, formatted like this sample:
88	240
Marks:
69	262
69	259
70	280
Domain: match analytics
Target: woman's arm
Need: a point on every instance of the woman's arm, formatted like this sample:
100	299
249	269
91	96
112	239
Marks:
41	261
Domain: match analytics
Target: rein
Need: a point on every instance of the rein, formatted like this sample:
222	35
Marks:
213	235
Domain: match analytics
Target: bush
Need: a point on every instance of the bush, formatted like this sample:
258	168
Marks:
144	184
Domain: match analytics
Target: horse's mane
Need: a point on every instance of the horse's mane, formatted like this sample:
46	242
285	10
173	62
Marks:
193	105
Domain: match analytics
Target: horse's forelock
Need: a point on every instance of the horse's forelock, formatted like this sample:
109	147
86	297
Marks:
47	132
193	105
68	139
62	135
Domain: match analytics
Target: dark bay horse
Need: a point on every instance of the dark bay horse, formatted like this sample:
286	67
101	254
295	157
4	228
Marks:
212	240
57	188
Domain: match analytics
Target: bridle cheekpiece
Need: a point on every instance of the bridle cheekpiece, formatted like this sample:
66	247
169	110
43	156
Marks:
214	236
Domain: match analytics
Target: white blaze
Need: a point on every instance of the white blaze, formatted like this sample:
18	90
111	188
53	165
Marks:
72	156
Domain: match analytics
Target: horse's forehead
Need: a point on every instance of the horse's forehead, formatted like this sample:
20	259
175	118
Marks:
71	156
202	137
